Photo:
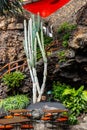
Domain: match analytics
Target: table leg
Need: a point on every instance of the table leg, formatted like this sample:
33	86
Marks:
17	126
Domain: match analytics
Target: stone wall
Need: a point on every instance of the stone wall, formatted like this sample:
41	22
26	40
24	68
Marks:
11	39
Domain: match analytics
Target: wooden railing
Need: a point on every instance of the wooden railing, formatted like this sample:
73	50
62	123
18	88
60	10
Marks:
13	66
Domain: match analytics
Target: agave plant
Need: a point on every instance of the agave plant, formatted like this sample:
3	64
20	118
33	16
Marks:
10	7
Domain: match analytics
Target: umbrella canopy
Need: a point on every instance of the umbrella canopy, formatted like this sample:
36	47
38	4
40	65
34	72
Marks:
45	7
46	105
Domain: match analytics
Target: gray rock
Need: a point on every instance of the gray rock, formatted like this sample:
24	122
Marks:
37	113
85	119
83	126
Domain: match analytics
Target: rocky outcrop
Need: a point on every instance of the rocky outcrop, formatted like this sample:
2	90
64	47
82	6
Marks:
67	13
72	67
26	88
3	91
82	16
11	39
11	47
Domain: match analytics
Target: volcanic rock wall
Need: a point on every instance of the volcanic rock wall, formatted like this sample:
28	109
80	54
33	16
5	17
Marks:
73	70
11	39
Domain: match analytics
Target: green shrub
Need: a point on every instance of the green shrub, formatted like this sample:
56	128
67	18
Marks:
74	100
66	36
65	27
13	81
58	89
15	102
61	56
64	32
65	43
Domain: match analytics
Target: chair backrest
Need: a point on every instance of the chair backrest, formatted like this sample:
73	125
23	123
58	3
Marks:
27	126
9	127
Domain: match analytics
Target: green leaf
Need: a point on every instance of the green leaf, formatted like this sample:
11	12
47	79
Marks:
84	95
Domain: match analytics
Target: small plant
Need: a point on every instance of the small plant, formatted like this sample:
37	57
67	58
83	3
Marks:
72	119
61	56
15	102
58	89
74	100
64	32
13	81
47	40
66	27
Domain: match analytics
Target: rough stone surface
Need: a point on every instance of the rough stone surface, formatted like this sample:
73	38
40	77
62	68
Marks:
48	126
71	10
82	16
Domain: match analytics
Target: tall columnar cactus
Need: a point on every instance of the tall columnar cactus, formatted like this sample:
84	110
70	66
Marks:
33	33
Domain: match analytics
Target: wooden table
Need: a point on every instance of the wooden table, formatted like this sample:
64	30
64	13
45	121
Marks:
22	112
14	120
54	110
19	111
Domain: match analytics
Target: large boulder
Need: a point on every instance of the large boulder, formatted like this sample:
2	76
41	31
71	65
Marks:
82	16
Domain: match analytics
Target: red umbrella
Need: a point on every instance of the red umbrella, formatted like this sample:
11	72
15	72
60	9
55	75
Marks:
44	7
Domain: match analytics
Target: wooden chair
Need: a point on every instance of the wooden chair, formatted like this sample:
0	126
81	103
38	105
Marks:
62	122
9	116
48	115
17	114
28	115
7	127
46	118
62	119
27	126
